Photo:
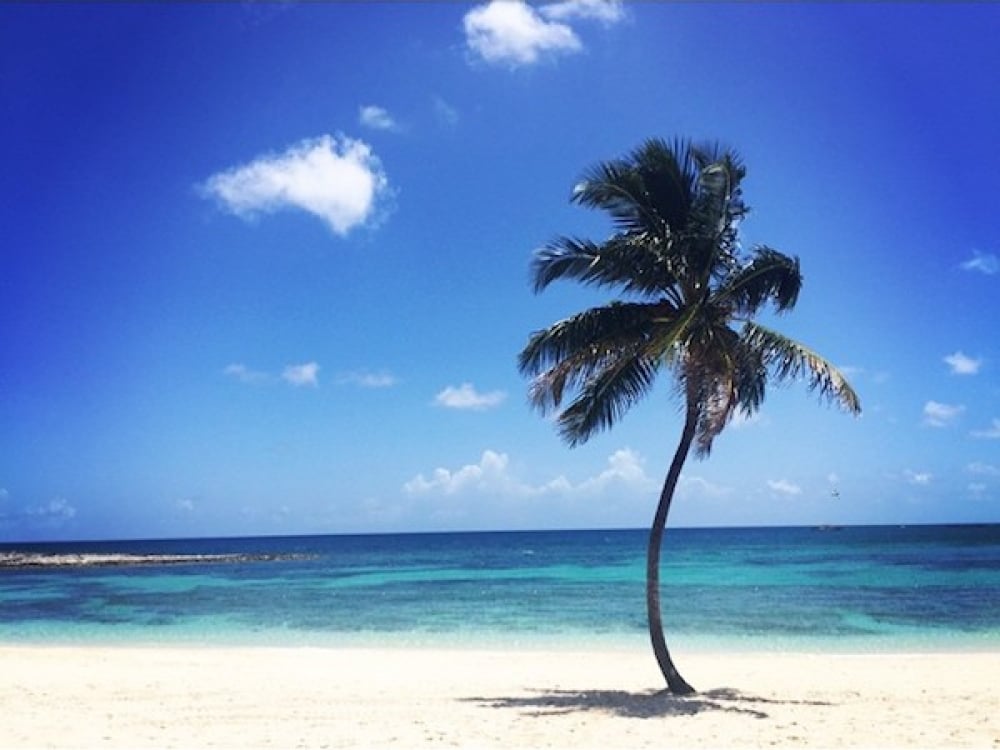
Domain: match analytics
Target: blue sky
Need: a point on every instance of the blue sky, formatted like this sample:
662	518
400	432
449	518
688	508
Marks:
264	268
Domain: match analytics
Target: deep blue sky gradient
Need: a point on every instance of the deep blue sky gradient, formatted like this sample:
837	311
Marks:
125	292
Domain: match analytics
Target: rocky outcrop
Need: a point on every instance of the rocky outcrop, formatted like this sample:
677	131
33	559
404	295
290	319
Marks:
102	559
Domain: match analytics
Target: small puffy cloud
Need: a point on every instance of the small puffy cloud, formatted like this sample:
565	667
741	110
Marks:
608	11
244	374
984	469
701	487
513	33
296	375
376	118
784	487
301	375
444	112
365	379
918	477
990	433
55	510
466	396
335	178
962	364
986	263
185	504
941	415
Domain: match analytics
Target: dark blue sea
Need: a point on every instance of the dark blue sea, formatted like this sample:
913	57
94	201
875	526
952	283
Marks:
883	588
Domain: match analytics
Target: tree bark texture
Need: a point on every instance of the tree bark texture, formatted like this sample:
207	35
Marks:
675	683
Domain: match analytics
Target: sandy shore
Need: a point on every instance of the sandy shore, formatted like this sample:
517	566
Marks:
331	698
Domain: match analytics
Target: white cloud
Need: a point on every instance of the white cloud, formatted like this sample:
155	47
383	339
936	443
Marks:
918	477
301	375
961	364
296	375
986	263
492	476
244	374
940	415
608	11
990	433
445	112
784	487
986	470
702	487
489	473
513	33
185	504
334	178
365	379
625	466
977	489
57	509
376	118
466	396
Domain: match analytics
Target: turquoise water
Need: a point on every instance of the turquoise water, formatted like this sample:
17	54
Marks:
850	589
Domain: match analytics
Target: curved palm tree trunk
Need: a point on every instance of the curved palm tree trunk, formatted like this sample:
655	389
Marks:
675	683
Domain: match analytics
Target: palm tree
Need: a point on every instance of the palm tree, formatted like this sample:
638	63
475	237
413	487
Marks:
690	298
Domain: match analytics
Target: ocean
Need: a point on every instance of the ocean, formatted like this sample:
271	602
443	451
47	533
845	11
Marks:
850	589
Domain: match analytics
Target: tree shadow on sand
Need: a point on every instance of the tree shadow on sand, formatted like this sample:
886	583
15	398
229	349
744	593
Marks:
644	705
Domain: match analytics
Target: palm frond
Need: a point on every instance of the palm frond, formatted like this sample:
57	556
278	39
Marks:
711	362
548	388
669	173
650	191
769	276
606	396
591	332
717	406
634	263
715	213
564	258
789	360
734	381
616	188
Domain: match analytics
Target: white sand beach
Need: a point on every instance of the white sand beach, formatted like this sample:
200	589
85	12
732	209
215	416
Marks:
69	697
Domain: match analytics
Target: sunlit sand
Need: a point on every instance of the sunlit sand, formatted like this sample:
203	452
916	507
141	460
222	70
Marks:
63	697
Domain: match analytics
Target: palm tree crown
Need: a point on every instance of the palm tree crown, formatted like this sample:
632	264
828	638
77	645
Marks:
690	296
